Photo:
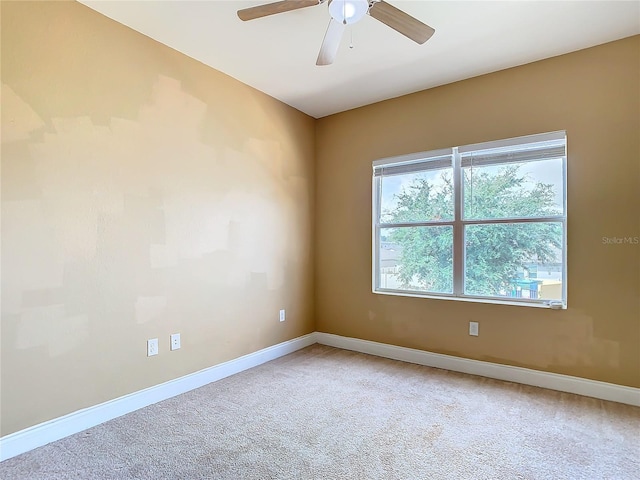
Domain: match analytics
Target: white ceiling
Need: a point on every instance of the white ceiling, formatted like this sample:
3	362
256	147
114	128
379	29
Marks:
277	54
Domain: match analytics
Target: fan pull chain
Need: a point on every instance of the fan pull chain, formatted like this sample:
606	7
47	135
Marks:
351	42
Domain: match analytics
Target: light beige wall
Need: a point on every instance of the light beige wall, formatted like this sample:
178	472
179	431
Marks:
594	95
143	194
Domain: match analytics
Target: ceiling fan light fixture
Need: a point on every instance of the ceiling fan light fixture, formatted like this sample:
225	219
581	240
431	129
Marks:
348	11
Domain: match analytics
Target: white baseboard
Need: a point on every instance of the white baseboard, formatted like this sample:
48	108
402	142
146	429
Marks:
56	429
537	378
41	434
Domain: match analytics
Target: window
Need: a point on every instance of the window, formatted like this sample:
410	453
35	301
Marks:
483	222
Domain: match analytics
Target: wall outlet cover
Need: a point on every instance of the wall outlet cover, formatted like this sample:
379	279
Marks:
152	347
175	341
473	328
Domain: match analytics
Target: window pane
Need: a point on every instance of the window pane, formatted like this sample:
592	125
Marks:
514	260
416	259
419	196
525	189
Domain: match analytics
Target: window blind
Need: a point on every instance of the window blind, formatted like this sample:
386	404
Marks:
515	150
412	163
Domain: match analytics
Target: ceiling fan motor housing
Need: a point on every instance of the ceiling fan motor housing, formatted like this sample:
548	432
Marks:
348	11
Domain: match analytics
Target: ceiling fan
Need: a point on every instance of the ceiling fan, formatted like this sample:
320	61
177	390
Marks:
343	13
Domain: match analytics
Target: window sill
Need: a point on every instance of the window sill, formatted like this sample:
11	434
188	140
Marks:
494	301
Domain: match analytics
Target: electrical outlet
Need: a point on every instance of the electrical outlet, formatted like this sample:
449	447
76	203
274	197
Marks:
152	347
282	315
175	341
473	328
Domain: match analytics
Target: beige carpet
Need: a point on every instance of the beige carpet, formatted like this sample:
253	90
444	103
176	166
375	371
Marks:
324	413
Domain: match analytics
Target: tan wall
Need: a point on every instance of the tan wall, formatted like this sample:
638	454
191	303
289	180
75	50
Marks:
592	94
143	194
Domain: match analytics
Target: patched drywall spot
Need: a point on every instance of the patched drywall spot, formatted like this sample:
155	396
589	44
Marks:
42	297
19	120
35	261
256	235
196	224
36	326
267	153
67	334
162	256
404	327
571	341
150	308
108	200
50	327
182	113
606	352
575	344
18	179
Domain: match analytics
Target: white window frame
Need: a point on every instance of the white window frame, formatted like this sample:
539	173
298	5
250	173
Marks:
412	162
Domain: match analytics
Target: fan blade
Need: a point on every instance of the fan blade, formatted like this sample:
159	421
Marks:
276	7
401	22
331	42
